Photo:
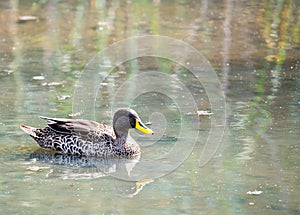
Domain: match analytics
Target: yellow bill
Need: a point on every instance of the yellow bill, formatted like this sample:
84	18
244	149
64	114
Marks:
143	128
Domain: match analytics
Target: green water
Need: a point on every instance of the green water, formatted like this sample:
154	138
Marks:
253	48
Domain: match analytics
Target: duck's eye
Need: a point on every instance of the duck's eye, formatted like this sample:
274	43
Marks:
132	120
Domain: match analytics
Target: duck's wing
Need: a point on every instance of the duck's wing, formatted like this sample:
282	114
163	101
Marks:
77	126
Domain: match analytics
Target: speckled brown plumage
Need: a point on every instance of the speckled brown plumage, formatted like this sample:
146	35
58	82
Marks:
89	138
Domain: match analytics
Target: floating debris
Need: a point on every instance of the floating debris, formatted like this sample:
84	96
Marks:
190	113
122	72
103	84
38	77
139	186
204	113
148	123
6	71
23	19
271	58
75	114
63	97
36	168
50	84
102	23
255	192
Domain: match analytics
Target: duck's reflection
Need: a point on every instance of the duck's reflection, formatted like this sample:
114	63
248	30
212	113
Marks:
81	166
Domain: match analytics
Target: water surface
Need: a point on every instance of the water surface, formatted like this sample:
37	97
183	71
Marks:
254	49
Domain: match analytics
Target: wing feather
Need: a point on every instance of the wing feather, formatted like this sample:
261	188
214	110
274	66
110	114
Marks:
76	126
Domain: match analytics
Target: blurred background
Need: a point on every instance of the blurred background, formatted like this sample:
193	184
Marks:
254	47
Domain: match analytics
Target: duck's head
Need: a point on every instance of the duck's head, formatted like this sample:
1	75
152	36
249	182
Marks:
125	119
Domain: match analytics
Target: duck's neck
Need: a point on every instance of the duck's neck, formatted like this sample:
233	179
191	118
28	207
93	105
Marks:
127	146
121	136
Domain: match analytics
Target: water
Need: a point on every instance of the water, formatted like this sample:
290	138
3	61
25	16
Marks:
253	47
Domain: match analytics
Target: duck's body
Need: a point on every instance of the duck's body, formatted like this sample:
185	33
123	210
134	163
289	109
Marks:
89	138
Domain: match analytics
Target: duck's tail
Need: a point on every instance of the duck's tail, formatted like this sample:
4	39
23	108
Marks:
29	130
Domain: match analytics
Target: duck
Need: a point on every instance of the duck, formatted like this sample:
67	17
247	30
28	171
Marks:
89	138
